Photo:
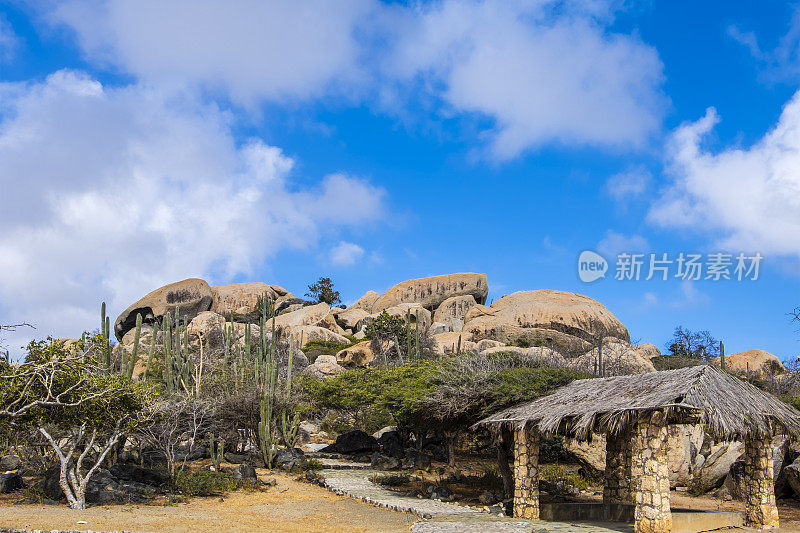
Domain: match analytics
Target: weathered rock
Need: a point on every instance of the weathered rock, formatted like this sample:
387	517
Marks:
454	310
572	318
323	370
430	292
309	315
381	462
448	343
145	337
103	487
366	302
145	476
757	362
437	328
538	354
485	344
356	441
383	431
190	296
326	359
648	350
351	317
314	333
288	459
412	313
710	471
10	482
360	354
619	359
210	328
10	462
244	472
417	460
240	300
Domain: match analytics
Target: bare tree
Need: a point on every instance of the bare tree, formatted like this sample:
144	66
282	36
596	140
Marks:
72	479
177	422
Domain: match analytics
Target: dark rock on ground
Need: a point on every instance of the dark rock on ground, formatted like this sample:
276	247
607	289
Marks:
288	459
381	462
487	498
236	458
10	462
245	472
391	444
10	482
269	482
103	487
417	459
356	441
145	476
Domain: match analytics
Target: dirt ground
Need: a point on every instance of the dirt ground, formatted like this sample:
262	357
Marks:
291	506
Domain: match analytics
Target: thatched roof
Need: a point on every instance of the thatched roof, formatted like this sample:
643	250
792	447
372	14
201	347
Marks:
729	408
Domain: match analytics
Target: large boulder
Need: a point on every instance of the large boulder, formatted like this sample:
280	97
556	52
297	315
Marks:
366	302
10	482
351	318
190	297
758	362
618	358
103	487
430	292
453	311
413	313
648	350
535	354
360	354
309	315
356	441
324	369
241	300
452	342
306	334
564	321
210	328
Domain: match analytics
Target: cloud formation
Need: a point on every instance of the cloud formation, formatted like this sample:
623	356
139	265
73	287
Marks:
748	197
530	72
346	253
111	192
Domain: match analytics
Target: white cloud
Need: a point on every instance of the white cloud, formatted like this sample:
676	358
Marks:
780	63
542	71
111	192
346	253
628	185
251	49
533	72
8	40
748	197
615	243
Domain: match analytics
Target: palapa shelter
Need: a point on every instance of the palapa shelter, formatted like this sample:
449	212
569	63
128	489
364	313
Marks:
634	412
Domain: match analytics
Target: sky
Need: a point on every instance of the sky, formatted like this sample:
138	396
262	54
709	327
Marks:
147	142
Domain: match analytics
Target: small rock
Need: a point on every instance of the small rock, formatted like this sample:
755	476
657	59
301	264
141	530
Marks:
381	462
487	498
244	472
10	482
269	482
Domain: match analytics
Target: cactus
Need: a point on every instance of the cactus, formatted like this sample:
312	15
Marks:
289	427
105	327
151	352
216	454
722	355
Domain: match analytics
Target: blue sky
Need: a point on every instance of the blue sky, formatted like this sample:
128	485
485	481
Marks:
376	142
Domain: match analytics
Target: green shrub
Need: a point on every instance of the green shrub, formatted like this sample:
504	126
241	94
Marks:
559	476
490	477
205	483
390	480
674	362
309	463
316	348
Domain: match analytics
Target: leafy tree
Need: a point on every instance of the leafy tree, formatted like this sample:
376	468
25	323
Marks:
697	344
389	335
324	292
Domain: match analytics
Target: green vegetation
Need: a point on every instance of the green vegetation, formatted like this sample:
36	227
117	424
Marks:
205	483
673	362
323	291
562	478
312	464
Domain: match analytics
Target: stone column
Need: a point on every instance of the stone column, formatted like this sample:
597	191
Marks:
618	478
526	473
760	510
651	475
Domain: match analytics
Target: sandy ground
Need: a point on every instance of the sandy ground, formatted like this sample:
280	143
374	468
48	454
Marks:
291	506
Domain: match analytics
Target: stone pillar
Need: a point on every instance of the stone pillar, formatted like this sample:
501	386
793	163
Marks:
618	477
760	510
650	471
526	473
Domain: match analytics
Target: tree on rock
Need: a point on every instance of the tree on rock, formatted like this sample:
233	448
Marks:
323	292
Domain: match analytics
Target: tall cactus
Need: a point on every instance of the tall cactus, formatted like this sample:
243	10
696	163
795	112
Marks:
218	453
151	352
722	355
289	424
105	331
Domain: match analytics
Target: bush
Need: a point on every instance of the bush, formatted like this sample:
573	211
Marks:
490	479
205	483
674	362
309	463
390	480
316	348
562	479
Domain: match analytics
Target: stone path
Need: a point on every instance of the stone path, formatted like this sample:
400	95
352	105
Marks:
353	479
